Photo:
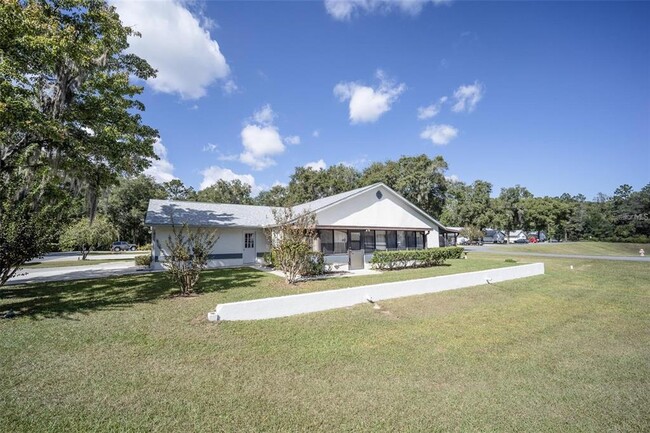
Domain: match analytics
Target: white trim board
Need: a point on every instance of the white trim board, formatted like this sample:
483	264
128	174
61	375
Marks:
283	306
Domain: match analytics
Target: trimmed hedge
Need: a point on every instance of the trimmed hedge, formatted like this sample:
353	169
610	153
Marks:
143	260
414	258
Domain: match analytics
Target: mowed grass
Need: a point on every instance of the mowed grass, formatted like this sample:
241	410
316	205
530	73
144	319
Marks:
567	351
583	248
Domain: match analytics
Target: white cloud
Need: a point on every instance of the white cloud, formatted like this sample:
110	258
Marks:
214	173
452	178
210	147
431	110
229	87
439	134
316	133
292	139
160	169
262	140
368	104
467	97
265	115
260	143
176	43
316	165
344	10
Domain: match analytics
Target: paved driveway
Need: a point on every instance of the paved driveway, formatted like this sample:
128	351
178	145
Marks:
74	255
71	273
495	250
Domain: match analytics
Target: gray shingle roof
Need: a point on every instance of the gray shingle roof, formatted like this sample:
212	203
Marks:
236	215
207	214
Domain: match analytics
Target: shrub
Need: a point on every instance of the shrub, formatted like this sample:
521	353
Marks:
315	264
270	260
143	260
510	261
186	255
414	258
145	247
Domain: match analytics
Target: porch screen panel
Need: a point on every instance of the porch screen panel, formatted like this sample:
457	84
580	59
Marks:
380	239
419	239
410	240
401	240
391	239
327	241
369	240
340	242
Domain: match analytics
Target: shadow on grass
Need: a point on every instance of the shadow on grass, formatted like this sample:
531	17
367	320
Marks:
62	299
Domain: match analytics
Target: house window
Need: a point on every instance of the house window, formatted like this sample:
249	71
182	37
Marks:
369	240
419	239
327	241
391	240
249	240
340	242
380	239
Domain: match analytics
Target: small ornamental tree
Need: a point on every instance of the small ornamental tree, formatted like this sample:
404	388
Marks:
292	238
187	254
85	235
472	233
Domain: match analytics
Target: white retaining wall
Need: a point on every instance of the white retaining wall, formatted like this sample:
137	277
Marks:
282	306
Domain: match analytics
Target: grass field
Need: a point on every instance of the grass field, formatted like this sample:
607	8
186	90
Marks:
567	351
584	248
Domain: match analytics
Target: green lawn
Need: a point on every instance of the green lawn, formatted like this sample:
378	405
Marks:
67	263
585	248
567	351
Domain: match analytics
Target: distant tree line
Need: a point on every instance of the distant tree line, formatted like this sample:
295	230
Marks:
624	216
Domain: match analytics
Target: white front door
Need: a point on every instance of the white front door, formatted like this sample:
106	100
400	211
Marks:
250	252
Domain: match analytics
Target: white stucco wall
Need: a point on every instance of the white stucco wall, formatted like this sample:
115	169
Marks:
283	306
231	242
367	210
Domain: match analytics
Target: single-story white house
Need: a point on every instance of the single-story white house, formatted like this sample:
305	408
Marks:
517	234
365	219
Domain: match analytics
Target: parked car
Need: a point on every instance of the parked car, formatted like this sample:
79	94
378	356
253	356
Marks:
520	241
532	240
123	246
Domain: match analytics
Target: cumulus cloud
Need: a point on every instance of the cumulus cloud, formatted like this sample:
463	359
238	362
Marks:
344	10
292	139
467	97
212	174
439	134
431	110
316	133
262	140
264	115
452	178
367	104
177	43
316	165
160	169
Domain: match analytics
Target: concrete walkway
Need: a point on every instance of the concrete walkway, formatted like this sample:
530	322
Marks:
561	256
76	255
71	273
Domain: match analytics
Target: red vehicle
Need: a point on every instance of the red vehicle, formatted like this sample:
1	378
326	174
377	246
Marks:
533	240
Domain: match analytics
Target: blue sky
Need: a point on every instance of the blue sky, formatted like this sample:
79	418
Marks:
554	96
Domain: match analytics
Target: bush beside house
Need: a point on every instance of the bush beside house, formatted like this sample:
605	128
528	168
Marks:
387	260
